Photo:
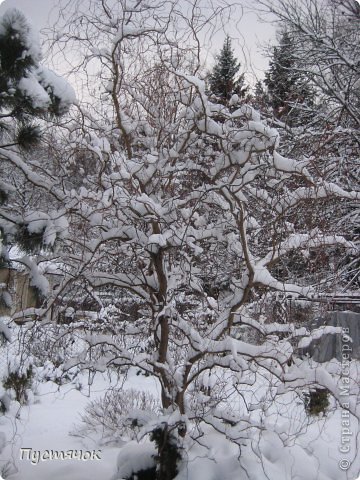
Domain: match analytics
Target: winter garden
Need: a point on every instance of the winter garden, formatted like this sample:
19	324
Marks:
179	274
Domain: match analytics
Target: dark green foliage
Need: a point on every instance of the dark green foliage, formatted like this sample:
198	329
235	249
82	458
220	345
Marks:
148	474
16	63
29	242
5	403
4	261
260	98
259	92
37	295
14	60
224	80
3	196
289	92
19	383
168	453
166	460
55	108
28	93
28	136
316	401
19	61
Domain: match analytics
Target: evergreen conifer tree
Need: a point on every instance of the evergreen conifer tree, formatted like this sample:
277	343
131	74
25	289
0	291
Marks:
224	80
28	93
260	97
289	92
27	90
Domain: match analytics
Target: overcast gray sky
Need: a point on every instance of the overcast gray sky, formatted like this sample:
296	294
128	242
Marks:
249	36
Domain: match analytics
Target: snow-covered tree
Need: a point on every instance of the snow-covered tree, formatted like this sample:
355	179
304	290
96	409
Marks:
29	93
183	222
288	88
325	40
224	79
328	36
28	90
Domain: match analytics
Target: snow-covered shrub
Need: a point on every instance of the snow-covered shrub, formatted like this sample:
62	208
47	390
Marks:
316	401
47	346
19	380
137	460
168	456
52	373
144	462
111	415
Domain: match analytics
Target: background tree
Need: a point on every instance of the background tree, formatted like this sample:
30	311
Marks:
224	80
325	49
288	88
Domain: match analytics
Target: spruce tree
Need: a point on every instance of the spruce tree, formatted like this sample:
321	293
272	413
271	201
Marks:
224	80
289	92
260	97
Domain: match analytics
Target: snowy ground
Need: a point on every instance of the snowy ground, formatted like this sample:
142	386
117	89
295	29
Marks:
45	425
